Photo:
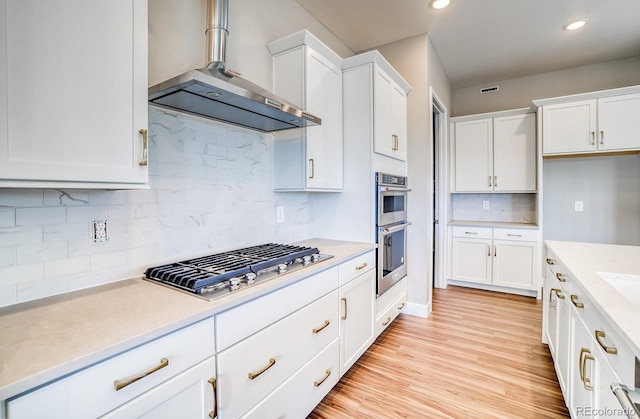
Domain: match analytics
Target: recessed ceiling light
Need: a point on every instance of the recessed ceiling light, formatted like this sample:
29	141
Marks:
439	4
575	24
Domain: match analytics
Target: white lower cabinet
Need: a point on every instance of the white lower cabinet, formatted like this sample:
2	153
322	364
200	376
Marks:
156	365
588	352
496	256
389	305
356	318
190	394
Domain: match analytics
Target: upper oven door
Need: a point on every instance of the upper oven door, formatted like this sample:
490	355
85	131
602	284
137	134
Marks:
392	255
392	205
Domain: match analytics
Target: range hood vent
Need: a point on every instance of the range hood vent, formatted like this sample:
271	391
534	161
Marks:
216	92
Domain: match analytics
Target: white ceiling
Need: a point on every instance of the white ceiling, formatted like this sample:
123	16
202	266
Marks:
483	41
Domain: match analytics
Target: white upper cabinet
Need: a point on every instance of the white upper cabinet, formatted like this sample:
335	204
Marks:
308	74
73	93
595	122
381	101
495	153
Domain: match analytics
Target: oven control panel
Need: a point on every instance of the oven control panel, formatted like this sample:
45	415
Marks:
385	179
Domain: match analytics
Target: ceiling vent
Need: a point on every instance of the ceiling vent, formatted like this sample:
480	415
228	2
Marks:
489	89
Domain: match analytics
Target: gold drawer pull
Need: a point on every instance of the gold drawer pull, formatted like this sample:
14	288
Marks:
514	235
386	322
583	368
608	349
214	384
319	329
401	306
574	300
120	384
319	382
550	262
475	233
145	147
558	291
253	375
364	265
561	277
344	316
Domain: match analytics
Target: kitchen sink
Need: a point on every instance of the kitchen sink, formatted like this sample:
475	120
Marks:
626	284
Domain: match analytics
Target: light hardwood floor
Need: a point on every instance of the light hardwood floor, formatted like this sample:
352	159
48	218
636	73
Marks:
478	355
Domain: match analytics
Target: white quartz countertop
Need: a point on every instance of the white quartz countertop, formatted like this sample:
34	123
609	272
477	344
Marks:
48	338
585	260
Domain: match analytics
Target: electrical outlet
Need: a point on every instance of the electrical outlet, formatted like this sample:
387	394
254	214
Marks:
578	206
100	231
485	204
279	214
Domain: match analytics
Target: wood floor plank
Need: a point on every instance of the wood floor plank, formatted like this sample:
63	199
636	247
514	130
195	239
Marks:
478	355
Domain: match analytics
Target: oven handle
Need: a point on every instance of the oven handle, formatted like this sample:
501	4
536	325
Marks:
627	404
393	188
395	227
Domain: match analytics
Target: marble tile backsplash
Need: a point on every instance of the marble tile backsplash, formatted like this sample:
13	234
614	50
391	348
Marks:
211	190
520	208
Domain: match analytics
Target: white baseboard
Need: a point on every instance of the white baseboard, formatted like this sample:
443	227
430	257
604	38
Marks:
419	310
526	293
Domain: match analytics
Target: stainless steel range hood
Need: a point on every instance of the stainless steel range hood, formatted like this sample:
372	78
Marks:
218	93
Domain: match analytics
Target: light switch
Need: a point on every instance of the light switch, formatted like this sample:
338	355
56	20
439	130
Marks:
485	204
578	206
279	214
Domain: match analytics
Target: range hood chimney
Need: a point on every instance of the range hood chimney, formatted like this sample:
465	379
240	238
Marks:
215	92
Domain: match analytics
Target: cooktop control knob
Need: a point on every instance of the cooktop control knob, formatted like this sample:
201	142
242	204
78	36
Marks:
306	260
250	277
234	284
316	257
282	267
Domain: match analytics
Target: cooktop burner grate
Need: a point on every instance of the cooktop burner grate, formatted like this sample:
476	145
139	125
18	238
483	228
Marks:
217	270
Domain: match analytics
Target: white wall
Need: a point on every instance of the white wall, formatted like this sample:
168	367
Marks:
416	60
211	184
609	187
520	92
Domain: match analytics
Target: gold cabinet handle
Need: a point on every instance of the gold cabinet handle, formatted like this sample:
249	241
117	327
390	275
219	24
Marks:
490	178
145	147
360	267
473	233
495	251
488	250
319	382
387	321
344	316
585	354
593	138
401	306
313	169
550	262
560	296
608	349
120	384
557	291
394	147
561	277
214	384
574	300
601	137
254	375
515	235
495	181
316	330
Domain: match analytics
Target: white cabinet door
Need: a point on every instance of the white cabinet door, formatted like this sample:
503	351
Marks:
513	263
309	158
563	344
190	395
618	123
474	156
357	314
472	260
73	91
569	127
390	117
582	369
514	153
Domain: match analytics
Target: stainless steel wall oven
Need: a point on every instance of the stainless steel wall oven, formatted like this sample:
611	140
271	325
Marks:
391	226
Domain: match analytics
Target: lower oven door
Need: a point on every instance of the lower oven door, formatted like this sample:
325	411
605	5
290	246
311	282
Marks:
392	255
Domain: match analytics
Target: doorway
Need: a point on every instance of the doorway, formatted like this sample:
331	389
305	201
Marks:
439	189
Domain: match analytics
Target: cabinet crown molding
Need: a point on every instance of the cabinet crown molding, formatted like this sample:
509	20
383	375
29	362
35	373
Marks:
587	96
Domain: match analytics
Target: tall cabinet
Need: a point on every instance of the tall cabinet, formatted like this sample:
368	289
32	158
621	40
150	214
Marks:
73	93
308	73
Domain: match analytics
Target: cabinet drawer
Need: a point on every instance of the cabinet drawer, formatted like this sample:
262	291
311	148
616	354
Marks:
472	232
384	319
357	266
387	299
297	397
91	392
278	351
559	271
530	235
244	320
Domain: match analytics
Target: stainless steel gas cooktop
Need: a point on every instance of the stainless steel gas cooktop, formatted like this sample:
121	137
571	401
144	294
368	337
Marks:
213	276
